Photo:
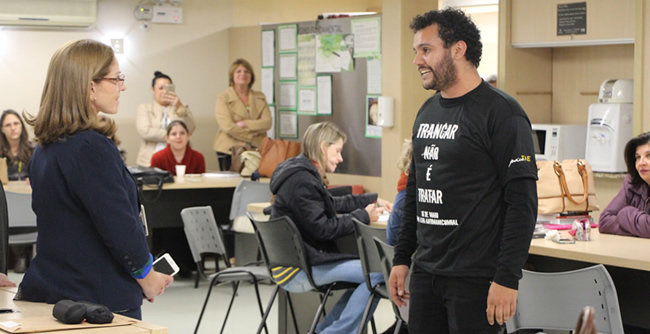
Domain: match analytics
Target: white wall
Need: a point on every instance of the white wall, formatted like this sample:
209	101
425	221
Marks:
194	54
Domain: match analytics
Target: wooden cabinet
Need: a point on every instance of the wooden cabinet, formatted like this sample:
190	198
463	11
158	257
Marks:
534	23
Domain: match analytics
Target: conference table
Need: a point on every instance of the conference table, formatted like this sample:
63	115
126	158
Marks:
38	317
627	260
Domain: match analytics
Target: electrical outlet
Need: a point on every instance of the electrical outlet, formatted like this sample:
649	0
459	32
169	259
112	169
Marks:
118	45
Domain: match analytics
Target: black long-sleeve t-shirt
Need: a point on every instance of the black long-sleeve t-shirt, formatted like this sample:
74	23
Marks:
471	199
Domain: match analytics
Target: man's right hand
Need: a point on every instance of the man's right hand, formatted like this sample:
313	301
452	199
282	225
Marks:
396	285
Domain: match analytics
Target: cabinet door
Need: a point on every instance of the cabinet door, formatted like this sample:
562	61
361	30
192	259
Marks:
534	23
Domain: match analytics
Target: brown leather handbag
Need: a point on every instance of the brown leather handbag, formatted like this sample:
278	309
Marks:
565	187
274	152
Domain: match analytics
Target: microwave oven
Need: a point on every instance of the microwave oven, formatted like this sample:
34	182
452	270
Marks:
559	141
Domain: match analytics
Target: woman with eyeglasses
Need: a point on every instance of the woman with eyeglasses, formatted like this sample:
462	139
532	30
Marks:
17	149
91	244
153	117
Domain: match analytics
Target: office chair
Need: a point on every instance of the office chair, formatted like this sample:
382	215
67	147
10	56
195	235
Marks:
4	230
386	253
204	237
22	220
554	300
370	263
281	244
245	193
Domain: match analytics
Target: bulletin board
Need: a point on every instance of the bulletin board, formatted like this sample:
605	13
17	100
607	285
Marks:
327	70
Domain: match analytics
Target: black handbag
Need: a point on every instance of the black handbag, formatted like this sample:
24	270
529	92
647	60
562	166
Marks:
151	177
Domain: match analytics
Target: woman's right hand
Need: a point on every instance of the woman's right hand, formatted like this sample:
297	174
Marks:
154	284
374	211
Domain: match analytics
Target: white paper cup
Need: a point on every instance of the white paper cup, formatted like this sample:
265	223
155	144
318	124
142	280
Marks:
180	170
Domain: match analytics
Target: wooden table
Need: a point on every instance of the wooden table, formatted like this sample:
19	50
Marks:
259	208
18	187
608	249
29	309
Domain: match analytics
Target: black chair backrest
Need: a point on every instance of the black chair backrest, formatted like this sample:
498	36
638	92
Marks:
281	245
370	261
386	254
4	230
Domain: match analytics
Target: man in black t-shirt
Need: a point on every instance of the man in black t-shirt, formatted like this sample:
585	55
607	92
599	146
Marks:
471	198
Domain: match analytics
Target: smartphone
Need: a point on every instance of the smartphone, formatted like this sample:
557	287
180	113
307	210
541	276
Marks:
564	241
170	88
143	220
166	265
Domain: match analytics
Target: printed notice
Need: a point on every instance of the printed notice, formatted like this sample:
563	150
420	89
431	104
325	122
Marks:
288	95
288	125
288	66
367	37
268	48
268	85
307	60
307	101
288	35
324	88
374	75
572	19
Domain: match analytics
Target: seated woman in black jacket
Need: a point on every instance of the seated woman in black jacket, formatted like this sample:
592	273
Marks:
300	194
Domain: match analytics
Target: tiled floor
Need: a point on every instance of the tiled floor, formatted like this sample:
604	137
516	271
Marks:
179	308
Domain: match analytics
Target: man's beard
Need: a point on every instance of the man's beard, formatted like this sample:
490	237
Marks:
444	75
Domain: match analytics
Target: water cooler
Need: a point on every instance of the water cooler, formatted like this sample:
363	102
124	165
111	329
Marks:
609	126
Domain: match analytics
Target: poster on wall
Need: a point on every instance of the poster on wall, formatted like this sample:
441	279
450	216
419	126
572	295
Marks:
372	112
268	48
288	95
288	66
373	66
324	95
367	36
288	124
288	33
307	101
268	84
307	60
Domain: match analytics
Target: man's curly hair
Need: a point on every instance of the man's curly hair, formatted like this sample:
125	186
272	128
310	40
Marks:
453	26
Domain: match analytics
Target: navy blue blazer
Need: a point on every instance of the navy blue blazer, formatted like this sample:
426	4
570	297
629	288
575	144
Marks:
89	233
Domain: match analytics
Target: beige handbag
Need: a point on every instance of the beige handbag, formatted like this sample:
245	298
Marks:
565	187
251	161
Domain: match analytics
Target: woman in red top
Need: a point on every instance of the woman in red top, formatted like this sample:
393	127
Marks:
178	151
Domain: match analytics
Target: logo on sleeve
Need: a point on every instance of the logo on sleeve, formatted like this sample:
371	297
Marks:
523	158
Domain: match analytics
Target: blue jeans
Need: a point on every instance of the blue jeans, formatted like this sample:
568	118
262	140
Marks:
346	315
395	219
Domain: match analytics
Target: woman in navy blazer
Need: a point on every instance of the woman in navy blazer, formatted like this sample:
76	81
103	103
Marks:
91	245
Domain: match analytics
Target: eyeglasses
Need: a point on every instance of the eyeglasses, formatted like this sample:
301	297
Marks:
119	79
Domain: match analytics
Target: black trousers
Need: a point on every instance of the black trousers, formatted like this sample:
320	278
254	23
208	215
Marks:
445	304
225	160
